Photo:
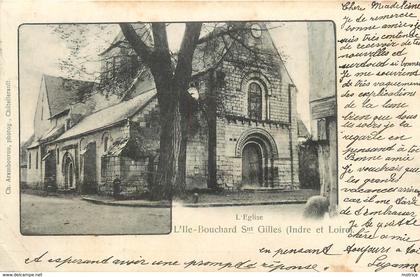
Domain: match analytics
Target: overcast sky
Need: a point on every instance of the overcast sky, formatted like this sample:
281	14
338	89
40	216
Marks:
40	51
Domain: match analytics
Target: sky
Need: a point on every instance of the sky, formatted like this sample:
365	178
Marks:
40	51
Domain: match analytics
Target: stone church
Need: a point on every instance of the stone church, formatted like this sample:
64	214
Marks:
243	133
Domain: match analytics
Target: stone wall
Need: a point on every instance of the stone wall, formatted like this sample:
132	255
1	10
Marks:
197	153
279	120
33	171
133	175
75	146
229	161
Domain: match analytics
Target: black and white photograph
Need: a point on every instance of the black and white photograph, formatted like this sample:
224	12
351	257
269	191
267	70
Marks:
120	123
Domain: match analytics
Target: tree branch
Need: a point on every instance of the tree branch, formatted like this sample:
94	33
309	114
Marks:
228	30
183	68
161	65
212	36
160	37
138	45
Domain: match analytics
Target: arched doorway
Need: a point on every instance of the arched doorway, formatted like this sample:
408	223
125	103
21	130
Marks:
258	152
68	167
252	165
50	170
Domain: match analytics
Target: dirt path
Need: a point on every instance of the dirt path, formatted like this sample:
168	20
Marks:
60	216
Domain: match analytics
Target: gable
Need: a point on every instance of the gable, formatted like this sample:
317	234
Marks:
211	54
249	50
42	111
62	92
43	108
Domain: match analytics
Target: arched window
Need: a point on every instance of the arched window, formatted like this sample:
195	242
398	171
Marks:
257	91
106	140
255	101
68	171
81	142
36	160
105	144
29	160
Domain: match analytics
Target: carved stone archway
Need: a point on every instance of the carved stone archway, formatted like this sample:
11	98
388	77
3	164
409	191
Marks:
257	133
68	170
257	150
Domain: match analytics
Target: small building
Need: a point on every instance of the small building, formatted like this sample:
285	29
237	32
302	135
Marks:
243	130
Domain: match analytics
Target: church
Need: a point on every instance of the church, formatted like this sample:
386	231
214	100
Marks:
242	135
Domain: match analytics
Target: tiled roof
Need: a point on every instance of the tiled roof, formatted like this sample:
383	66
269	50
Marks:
62	92
53	132
110	115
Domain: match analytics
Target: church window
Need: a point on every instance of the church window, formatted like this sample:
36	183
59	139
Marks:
36	160
105	144
81	144
255	101
106	140
104	165
29	160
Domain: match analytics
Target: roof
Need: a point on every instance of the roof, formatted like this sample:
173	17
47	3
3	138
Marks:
53	132
230	41
62	92
131	147
34	144
208	55
126	147
117	147
22	149
302	130
109	116
205	59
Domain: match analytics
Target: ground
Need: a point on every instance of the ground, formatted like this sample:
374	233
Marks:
249	197
71	215
44	215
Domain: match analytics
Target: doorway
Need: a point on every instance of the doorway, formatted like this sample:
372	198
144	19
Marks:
252	168
68	173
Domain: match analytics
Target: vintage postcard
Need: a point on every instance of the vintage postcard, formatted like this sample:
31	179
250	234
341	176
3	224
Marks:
210	136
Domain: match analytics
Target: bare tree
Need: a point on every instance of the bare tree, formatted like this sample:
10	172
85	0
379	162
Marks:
172	73
170	83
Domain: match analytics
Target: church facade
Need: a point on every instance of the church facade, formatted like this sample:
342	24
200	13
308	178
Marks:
243	132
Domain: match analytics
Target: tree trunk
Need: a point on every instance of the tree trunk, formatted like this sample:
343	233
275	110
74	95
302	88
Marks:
170	85
169	151
186	112
171	175
180	184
